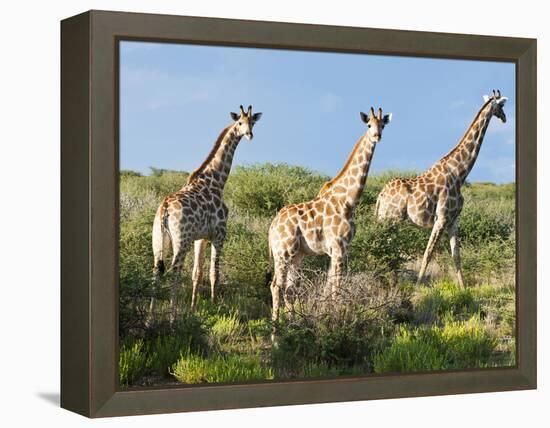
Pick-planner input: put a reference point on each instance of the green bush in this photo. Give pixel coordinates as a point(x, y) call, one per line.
point(495, 258)
point(383, 247)
point(135, 273)
point(262, 190)
point(478, 227)
point(245, 258)
point(456, 345)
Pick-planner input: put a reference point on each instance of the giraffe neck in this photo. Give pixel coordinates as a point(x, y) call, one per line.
point(348, 185)
point(462, 158)
point(217, 165)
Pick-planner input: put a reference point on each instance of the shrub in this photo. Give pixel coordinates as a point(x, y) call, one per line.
point(135, 273)
point(264, 189)
point(245, 258)
point(493, 260)
point(342, 334)
point(478, 226)
point(384, 247)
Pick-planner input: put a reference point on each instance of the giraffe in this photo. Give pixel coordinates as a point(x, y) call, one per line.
point(325, 224)
point(196, 213)
point(434, 199)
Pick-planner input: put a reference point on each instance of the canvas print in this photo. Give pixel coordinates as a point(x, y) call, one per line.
point(293, 214)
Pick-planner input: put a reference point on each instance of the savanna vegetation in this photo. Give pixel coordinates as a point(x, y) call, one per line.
point(381, 321)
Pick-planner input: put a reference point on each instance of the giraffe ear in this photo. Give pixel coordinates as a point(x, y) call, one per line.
point(502, 100)
point(234, 116)
point(256, 117)
point(387, 119)
point(364, 117)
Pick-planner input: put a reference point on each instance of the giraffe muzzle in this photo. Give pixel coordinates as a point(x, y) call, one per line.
point(249, 136)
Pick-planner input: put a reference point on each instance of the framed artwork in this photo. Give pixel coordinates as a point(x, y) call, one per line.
point(261, 213)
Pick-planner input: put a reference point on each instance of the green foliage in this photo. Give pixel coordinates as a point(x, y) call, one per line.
point(259, 329)
point(479, 226)
point(262, 190)
point(456, 345)
point(230, 340)
point(191, 368)
point(384, 246)
point(135, 279)
point(493, 258)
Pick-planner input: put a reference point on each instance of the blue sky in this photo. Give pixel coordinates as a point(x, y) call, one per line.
point(175, 100)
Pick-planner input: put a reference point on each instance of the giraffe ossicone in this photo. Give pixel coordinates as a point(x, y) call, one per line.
point(196, 214)
point(434, 199)
point(325, 224)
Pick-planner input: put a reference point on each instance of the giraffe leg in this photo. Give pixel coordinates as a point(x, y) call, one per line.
point(291, 283)
point(455, 252)
point(277, 285)
point(437, 229)
point(181, 248)
point(336, 270)
point(215, 252)
point(200, 246)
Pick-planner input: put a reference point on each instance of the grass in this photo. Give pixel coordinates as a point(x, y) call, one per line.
point(132, 362)
point(191, 368)
point(382, 322)
point(455, 345)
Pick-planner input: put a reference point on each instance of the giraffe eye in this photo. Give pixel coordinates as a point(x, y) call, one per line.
point(368, 126)
point(240, 123)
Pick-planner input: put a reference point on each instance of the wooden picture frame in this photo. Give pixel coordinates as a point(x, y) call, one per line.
point(89, 207)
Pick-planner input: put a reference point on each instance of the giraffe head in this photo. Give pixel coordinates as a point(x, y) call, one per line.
point(375, 123)
point(244, 122)
point(497, 104)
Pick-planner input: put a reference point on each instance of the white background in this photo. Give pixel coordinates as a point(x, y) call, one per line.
point(29, 214)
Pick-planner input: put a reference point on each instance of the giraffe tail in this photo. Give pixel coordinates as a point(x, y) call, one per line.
point(161, 236)
point(377, 207)
point(269, 272)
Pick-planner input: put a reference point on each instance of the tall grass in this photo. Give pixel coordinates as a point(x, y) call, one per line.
point(456, 345)
point(191, 368)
